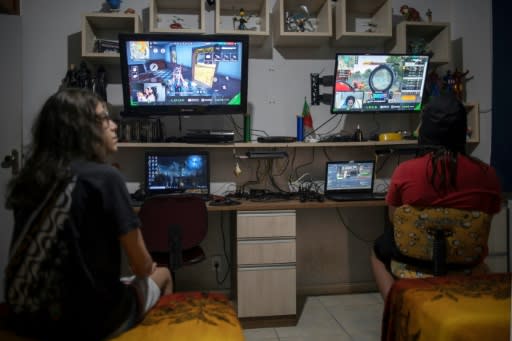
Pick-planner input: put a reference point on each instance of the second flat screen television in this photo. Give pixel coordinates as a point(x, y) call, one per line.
point(183, 74)
point(369, 83)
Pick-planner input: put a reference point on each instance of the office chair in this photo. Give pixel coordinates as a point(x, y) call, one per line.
point(439, 241)
point(173, 227)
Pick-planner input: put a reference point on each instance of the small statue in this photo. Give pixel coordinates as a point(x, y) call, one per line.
point(459, 79)
point(111, 6)
point(242, 20)
point(83, 76)
point(429, 15)
point(176, 22)
point(299, 21)
point(410, 13)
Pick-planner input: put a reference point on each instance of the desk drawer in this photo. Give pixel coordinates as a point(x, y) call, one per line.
point(266, 291)
point(264, 224)
point(266, 251)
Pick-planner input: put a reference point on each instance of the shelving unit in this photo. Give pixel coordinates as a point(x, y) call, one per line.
point(189, 14)
point(349, 13)
point(257, 13)
point(435, 35)
point(105, 26)
point(320, 10)
point(365, 144)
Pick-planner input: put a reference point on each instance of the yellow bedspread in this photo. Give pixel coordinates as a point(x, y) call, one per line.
point(465, 308)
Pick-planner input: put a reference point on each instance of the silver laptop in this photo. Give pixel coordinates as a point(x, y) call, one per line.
point(350, 180)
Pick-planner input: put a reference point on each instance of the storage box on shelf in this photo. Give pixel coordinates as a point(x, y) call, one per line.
point(289, 13)
point(435, 37)
point(363, 23)
point(254, 21)
point(100, 34)
point(177, 16)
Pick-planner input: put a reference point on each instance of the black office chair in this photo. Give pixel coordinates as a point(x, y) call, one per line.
point(173, 226)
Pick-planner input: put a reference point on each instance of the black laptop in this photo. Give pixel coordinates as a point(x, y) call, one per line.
point(350, 180)
point(177, 172)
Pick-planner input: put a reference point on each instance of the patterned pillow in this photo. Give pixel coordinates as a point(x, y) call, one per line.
point(466, 244)
point(188, 316)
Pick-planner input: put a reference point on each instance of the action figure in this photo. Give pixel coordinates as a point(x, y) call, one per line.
point(459, 79)
point(409, 13)
point(242, 20)
point(111, 6)
point(429, 15)
point(448, 81)
point(99, 85)
point(70, 80)
point(300, 21)
point(84, 76)
point(176, 22)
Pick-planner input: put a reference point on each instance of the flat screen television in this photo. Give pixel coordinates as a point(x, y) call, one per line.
point(183, 74)
point(370, 83)
point(175, 172)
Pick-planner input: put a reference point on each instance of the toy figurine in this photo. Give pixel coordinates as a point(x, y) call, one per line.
point(299, 21)
point(176, 22)
point(410, 13)
point(429, 15)
point(111, 6)
point(459, 79)
point(242, 20)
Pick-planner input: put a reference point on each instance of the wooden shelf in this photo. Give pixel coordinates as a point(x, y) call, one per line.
point(258, 15)
point(190, 14)
point(105, 26)
point(265, 145)
point(348, 12)
point(436, 36)
point(320, 10)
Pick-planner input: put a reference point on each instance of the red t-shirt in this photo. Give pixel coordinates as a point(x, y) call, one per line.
point(477, 186)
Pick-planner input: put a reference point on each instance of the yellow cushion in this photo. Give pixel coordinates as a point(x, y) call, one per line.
point(188, 316)
point(466, 246)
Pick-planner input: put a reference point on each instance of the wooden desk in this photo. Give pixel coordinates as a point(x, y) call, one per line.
point(264, 257)
point(248, 205)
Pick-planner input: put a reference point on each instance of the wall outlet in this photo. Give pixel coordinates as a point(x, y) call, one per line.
point(217, 263)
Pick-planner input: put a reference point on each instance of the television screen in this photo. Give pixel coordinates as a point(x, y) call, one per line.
point(378, 83)
point(177, 172)
point(183, 74)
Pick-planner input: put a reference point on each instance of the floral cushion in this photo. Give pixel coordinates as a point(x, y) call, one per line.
point(188, 316)
point(467, 244)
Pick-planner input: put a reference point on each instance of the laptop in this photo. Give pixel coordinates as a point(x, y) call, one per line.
point(350, 180)
point(177, 172)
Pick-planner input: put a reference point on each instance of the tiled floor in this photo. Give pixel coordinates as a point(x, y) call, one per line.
point(354, 317)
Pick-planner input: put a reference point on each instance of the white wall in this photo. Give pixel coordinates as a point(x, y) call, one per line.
point(278, 82)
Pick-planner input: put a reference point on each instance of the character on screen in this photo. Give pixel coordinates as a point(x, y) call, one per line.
point(177, 82)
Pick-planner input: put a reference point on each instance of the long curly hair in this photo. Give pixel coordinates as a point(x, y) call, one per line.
point(67, 128)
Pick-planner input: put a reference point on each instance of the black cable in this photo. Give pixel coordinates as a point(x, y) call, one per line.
point(228, 262)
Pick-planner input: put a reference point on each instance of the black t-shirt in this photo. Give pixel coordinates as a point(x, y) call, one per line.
point(101, 212)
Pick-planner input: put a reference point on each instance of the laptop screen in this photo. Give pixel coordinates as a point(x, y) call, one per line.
point(349, 176)
point(177, 172)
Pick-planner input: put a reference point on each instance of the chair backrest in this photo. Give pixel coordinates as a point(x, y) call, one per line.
point(465, 235)
point(159, 212)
